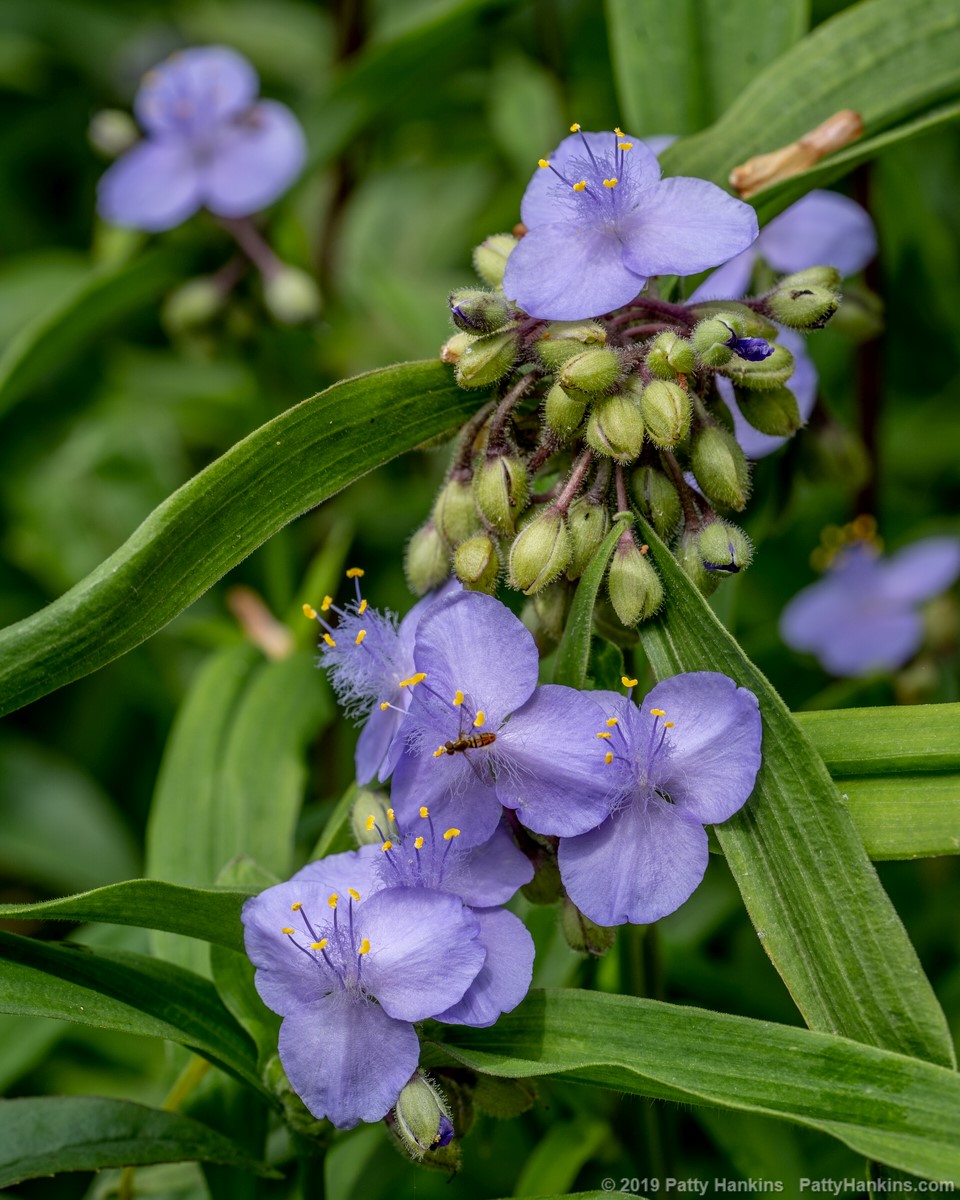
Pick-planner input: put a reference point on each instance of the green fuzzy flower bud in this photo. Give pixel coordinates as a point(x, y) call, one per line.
point(822, 277)
point(540, 552)
point(561, 340)
point(421, 1119)
point(615, 427)
point(490, 257)
point(666, 412)
point(774, 412)
point(751, 323)
point(710, 338)
point(295, 1112)
point(688, 556)
point(720, 467)
point(453, 347)
point(770, 373)
point(588, 522)
point(476, 563)
point(292, 296)
point(593, 371)
point(501, 486)
point(670, 355)
point(801, 306)
point(487, 359)
point(724, 548)
point(427, 559)
point(370, 809)
point(112, 132)
point(478, 312)
point(583, 935)
point(563, 411)
point(455, 513)
point(657, 498)
point(192, 305)
point(633, 584)
point(549, 610)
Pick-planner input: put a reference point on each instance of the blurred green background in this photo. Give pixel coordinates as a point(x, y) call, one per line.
point(424, 119)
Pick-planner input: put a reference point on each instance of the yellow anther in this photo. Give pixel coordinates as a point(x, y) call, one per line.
point(480, 718)
point(611, 721)
point(608, 757)
point(321, 945)
point(575, 127)
point(329, 640)
point(450, 834)
point(424, 811)
point(611, 183)
point(288, 929)
point(439, 752)
point(418, 843)
point(362, 609)
point(387, 845)
point(332, 900)
point(413, 680)
point(360, 636)
point(384, 705)
point(618, 131)
point(327, 602)
point(543, 163)
point(581, 186)
point(296, 906)
point(627, 682)
point(657, 712)
point(370, 822)
point(354, 894)
point(668, 724)
point(364, 947)
point(355, 573)
point(604, 734)
point(457, 698)
point(310, 612)
point(624, 145)
point(391, 815)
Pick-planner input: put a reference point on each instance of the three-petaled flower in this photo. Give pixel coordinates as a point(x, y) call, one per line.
point(600, 221)
point(210, 143)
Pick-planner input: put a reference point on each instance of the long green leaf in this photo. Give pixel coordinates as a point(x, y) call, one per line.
point(887, 60)
point(43, 1135)
point(807, 883)
point(80, 316)
point(905, 816)
point(216, 519)
point(127, 992)
point(714, 49)
point(213, 916)
point(885, 741)
point(573, 653)
point(895, 1109)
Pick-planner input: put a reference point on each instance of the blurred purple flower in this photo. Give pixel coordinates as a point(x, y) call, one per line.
point(479, 733)
point(349, 985)
point(688, 756)
point(483, 877)
point(209, 143)
point(862, 616)
point(600, 221)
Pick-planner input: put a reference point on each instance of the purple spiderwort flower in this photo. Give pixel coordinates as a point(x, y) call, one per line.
point(821, 229)
point(369, 657)
point(688, 756)
point(414, 952)
point(600, 221)
point(483, 877)
point(479, 733)
point(862, 616)
point(210, 143)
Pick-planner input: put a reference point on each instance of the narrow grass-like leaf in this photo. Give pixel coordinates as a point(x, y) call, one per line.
point(216, 519)
point(81, 316)
point(573, 653)
point(127, 992)
point(905, 816)
point(213, 916)
point(809, 888)
point(886, 741)
point(887, 60)
point(898, 1110)
point(44, 1135)
point(716, 49)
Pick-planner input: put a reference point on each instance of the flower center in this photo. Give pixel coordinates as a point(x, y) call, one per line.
point(414, 861)
point(335, 946)
point(598, 178)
